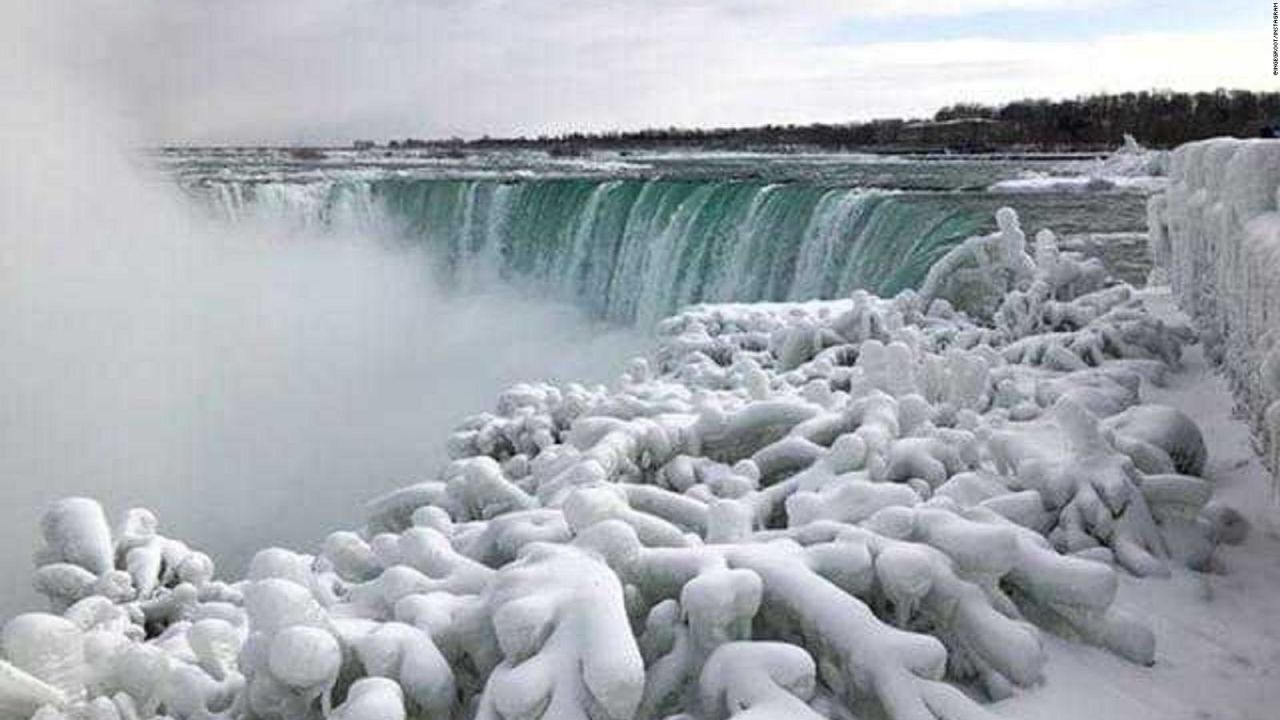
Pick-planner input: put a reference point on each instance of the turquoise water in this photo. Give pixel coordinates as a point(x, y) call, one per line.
point(633, 239)
point(633, 250)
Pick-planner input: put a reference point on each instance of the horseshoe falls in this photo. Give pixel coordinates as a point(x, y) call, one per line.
point(634, 250)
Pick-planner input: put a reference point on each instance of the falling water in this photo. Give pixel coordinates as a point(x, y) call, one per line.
point(634, 250)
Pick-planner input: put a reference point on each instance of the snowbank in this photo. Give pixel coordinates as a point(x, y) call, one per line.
point(1216, 233)
point(790, 511)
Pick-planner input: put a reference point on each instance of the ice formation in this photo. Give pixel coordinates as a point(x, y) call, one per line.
point(790, 511)
point(1215, 234)
point(1131, 168)
point(1131, 160)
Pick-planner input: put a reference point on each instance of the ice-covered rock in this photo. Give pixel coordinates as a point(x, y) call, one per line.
point(372, 698)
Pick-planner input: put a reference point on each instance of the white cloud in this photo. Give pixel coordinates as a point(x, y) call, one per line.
point(915, 77)
point(295, 70)
point(908, 8)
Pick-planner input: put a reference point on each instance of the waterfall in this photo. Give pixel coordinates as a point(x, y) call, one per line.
point(634, 250)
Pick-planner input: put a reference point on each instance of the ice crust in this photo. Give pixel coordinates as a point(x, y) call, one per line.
point(793, 510)
point(1215, 236)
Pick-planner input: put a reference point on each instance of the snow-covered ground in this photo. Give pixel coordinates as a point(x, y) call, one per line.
point(960, 503)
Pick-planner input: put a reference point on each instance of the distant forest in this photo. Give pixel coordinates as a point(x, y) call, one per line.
point(1098, 122)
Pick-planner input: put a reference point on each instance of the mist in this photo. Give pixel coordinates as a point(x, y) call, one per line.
point(252, 386)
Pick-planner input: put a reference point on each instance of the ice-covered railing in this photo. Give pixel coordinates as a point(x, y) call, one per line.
point(791, 511)
point(1215, 233)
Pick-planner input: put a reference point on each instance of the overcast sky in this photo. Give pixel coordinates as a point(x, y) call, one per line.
point(235, 71)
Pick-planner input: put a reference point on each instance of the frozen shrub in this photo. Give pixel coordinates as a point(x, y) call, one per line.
point(793, 509)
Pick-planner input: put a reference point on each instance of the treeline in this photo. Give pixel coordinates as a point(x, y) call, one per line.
point(1159, 119)
point(1096, 122)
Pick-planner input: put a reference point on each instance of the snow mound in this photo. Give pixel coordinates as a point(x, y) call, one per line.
point(790, 511)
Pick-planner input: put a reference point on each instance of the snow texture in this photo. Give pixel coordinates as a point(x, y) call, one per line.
point(796, 510)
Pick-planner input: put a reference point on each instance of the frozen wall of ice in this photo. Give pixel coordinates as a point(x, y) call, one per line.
point(1215, 233)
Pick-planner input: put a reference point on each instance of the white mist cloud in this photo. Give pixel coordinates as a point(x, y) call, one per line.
point(898, 8)
point(254, 388)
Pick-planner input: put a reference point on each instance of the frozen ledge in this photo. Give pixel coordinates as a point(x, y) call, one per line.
point(1215, 233)
point(791, 511)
